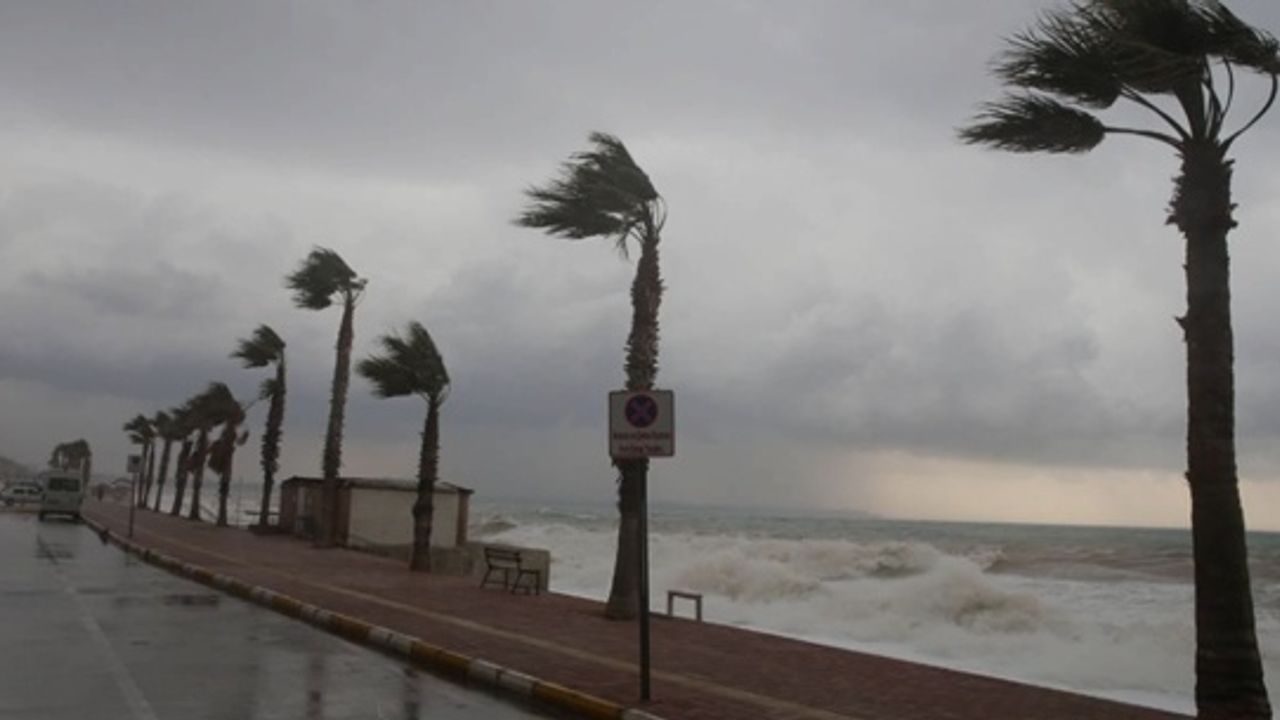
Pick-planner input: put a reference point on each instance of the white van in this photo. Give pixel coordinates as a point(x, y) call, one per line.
point(63, 494)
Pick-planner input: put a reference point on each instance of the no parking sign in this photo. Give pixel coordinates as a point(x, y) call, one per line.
point(642, 423)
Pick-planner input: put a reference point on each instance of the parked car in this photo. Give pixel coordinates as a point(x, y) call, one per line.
point(63, 495)
point(21, 493)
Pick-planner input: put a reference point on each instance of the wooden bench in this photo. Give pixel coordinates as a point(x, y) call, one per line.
point(509, 562)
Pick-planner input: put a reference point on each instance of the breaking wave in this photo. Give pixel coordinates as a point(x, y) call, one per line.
point(1089, 628)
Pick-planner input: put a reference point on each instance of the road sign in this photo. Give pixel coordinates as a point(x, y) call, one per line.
point(135, 463)
point(642, 424)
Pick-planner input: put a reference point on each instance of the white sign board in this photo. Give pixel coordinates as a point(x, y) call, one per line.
point(642, 424)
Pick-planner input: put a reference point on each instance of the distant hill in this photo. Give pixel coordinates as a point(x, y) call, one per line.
point(10, 470)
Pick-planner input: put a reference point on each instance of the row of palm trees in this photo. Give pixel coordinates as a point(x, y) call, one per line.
point(410, 365)
point(191, 426)
point(602, 192)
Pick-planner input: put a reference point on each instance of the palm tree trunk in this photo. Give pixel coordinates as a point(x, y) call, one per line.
point(180, 476)
point(149, 457)
point(224, 475)
point(201, 454)
point(428, 471)
point(642, 369)
point(271, 443)
point(1229, 680)
point(164, 471)
point(624, 600)
point(328, 525)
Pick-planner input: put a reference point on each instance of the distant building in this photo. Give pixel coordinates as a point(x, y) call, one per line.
point(376, 513)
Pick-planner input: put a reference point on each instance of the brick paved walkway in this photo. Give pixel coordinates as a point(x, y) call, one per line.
point(700, 670)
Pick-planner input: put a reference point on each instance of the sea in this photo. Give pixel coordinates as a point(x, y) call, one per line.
point(1103, 611)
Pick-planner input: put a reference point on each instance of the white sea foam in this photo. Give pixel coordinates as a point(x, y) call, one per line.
point(1130, 640)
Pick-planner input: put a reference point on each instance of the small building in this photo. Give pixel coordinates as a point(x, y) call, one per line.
point(376, 513)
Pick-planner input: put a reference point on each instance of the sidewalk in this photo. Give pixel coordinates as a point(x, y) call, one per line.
point(699, 670)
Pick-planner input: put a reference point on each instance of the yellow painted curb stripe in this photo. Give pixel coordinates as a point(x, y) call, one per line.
point(575, 701)
point(349, 627)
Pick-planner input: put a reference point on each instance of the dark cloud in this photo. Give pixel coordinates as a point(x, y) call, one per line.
point(842, 275)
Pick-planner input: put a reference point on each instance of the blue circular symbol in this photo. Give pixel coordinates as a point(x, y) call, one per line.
point(641, 411)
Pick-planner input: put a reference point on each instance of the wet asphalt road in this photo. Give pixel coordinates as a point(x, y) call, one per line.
point(88, 632)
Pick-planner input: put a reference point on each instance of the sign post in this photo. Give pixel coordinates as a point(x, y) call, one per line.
point(641, 426)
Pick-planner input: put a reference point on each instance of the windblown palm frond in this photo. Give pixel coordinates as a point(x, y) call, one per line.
point(322, 275)
point(1094, 52)
point(140, 430)
point(1032, 123)
point(412, 365)
point(601, 192)
point(264, 348)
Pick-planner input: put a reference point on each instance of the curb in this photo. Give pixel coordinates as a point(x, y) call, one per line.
point(439, 660)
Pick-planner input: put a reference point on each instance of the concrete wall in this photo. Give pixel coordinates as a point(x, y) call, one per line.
point(383, 516)
point(444, 520)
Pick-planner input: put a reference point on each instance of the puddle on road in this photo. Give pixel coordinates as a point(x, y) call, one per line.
point(171, 600)
point(48, 551)
point(27, 592)
point(191, 599)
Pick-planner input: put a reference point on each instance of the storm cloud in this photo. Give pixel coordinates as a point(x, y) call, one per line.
point(848, 287)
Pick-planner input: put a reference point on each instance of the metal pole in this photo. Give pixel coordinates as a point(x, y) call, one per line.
point(644, 585)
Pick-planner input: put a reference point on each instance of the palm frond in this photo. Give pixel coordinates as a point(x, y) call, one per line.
point(139, 429)
point(321, 275)
point(411, 365)
point(268, 388)
point(260, 350)
point(1032, 123)
point(1235, 41)
point(162, 423)
point(1063, 55)
point(601, 192)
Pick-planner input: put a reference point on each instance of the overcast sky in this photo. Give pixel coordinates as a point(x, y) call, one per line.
point(861, 312)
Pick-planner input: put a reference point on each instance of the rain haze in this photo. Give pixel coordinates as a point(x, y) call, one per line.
point(861, 312)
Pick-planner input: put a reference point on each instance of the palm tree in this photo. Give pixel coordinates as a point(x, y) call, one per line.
point(322, 278)
point(603, 193)
point(229, 413)
point(72, 455)
point(412, 366)
point(161, 416)
point(169, 428)
point(1185, 55)
point(142, 434)
point(186, 429)
point(261, 350)
point(202, 412)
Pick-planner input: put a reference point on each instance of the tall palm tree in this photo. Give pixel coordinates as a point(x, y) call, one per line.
point(186, 428)
point(230, 414)
point(150, 476)
point(320, 280)
point(202, 411)
point(142, 434)
point(602, 193)
point(170, 430)
point(156, 437)
point(413, 366)
point(1186, 55)
point(263, 349)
